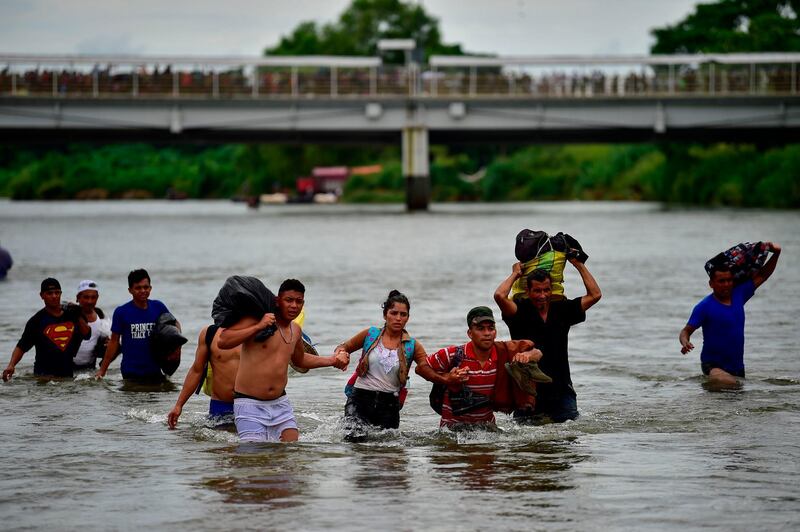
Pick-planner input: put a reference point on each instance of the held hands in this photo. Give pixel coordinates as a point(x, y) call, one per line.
point(99, 374)
point(534, 355)
point(341, 359)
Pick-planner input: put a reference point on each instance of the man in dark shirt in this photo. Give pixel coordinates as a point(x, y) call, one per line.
point(56, 333)
point(547, 322)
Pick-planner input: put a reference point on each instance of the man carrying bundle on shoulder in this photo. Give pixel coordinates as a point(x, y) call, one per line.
point(721, 313)
point(268, 343)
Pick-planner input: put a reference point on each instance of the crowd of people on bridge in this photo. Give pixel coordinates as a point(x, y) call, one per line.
point(272, 81)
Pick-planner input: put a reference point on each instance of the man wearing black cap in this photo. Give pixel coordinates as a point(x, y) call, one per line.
point(479, 364)
point(55, 331)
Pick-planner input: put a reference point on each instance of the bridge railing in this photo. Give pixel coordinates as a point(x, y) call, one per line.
point(359, 77)
point(613, 76)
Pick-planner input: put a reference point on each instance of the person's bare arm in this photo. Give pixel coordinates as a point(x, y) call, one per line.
point(243, 330)
point(764, 273)
point(16, 356)
point(533, 355)
point(112, 349)
point(452, 379)
point(684, 336)
point(593, 293)
point(507, 306)
point(353, 344)
point(424, 370)
point(305, 360)
point(192, 379)
point(344, 349)
point(455, 376)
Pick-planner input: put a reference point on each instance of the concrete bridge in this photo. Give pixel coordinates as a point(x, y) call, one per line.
point(742, 97)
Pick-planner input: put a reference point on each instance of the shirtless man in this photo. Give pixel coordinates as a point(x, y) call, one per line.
point(262, 410)
point(224, 364)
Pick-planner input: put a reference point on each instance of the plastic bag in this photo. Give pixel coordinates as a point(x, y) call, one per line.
point(242, 296)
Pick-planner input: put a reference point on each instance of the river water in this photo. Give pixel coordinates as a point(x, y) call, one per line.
point(652, 449)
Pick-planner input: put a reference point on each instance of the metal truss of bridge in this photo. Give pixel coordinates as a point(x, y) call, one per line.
point(453, 99)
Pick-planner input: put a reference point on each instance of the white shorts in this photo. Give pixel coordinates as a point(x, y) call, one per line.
point(263, 421)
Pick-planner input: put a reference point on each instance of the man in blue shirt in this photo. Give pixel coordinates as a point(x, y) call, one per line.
point(721, 315)
point(132, 325)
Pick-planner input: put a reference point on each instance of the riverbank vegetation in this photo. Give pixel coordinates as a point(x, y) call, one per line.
point(713, 174)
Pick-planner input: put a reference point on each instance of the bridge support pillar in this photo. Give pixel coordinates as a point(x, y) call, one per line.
point(416, 168)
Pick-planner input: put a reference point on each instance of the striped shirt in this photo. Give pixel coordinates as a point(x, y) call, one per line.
point(481, 380)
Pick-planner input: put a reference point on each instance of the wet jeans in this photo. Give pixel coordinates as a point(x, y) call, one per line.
point(553, 409)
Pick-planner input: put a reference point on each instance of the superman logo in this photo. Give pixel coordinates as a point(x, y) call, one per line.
point(60, 333)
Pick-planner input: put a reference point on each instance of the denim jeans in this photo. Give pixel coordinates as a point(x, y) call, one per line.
point(555, 409)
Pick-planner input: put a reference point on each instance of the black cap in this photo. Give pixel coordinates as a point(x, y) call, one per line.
point(478, 315)
point(50, 284)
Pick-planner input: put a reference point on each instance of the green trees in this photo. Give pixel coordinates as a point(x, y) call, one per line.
point(122, 170)
point(715, 174)
point(733, 26)
point(361, 26)
point(726, 174)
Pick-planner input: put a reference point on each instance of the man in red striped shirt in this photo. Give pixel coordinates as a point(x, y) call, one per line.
point(480, 363)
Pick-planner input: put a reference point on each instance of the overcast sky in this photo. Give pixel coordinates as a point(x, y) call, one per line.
point(246, 27)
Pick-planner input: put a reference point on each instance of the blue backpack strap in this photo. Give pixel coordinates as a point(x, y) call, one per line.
point(409, 347)
point(369, 340)
point(372, 336)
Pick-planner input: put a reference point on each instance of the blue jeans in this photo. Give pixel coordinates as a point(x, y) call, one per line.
point(553, 409)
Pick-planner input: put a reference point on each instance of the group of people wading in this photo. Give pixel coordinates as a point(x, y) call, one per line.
point(247, 371)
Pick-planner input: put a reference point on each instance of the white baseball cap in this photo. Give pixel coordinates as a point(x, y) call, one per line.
point(87, 285)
